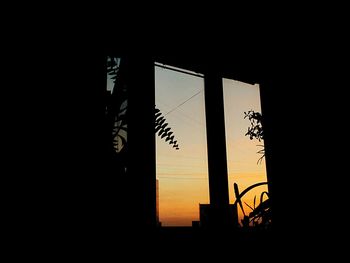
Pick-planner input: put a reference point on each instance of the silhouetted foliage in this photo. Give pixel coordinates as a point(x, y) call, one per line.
point(117, 109)
point(119, 130)
point(163, 131)
point(260, 216)
point(256, 131)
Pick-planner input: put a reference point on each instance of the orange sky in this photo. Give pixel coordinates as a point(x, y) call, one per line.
point(183, 174)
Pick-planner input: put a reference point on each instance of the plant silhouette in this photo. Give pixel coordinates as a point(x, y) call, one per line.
point(117, 109)
point(260, 216)
point(163, 131)
point(256, 131)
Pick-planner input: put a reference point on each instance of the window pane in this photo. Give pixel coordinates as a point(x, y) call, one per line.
point(182, 174)
point(242, 157)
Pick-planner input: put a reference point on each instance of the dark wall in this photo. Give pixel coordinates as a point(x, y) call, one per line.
point(294, 105)
point(67, 188)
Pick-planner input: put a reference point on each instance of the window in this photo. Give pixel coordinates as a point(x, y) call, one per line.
point(182, 174)
point(244, 167)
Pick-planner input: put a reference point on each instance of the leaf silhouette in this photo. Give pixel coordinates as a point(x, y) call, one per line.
point(157, 129)
point(161, 122)
point(260, 208)
point(163, 129)
point(262, 196)
point(256, 131)
point(117, 104)
point(238, 199)
point(157, 115)
point(249, 206)
point(164, 125)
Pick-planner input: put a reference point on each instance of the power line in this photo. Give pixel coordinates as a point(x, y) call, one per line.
point(188, 118)
point(182, 103)
point(182, 114)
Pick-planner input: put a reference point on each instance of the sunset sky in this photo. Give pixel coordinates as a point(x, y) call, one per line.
point(183, 174)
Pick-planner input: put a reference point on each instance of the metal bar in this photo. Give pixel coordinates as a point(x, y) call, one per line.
point(178, 70)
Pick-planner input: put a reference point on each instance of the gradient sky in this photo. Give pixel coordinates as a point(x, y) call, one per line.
point(183, 174)
point(241, 151)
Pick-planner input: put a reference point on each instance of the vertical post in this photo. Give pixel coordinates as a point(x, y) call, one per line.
point(268, 106)
point(141, 141)
point(217, 161)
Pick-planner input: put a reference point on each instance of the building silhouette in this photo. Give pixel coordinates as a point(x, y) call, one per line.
point(157, 203)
